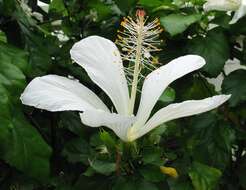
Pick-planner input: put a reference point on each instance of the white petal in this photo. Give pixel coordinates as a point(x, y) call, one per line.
point(221, 5)
point(56, 93)
point(118, 123)
point(157, 81)
point(101, 59)
point(178, 110)
point(239, 13)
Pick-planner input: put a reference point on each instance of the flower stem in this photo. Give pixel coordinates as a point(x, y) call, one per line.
point(136, 68)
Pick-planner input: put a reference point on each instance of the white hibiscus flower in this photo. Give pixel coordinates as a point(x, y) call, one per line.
point(103, 63)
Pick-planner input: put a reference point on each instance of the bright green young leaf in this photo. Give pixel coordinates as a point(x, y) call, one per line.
point(214, 48)
point(3, 37)
point(99, 10)
point(176, 23)
point(58, 7)
point(234, 84)
point(204, 177)
point(168, 95)
point(108, 139)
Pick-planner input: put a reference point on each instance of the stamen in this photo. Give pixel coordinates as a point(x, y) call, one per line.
point(127, 39)
point(138, 40)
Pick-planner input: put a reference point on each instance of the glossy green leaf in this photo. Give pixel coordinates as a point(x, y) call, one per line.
point(212, 140)
point(176, 23)
point(58, 7)
point(214, 48)
point(234, 84)
point(204, 177)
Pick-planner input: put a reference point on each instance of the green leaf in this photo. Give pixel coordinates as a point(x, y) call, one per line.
point(7, 7)
point(212, 140)
point(103, 167)
point(3, 37)
point(21, 145)
point(144, 185)
point(150, 3)
point(12, 62)
point(234, 84)
point(180, 184)
point(107, 139)
point(39, 44)
point(77, 150)
point(100, 10)
point(93, 183)
point(176, 23)
point(130, 184)
point(72, 122)
point(241, 173)
point(214, 48)
point(168, 95)
point(152, 155)
point(125, 5)
point(152, 173)
point(194, 87)
point(155, 135)
point(124, 184)
point(58, 7)
point(204, 177)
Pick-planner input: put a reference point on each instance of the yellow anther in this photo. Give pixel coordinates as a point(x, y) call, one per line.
point(172, 172)
point(123, 23)
point(120, 37)
point(155, 60)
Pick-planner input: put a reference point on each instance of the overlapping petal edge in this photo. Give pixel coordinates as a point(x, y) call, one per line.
point(101, 60)
point(239, 6)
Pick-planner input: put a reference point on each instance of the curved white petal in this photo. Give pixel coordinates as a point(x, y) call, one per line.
point(239, 13)
point(221, 5)
point(56, 93)
point(101, 59)
point(118, 123)
point(178, 110)
point(157, 81)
